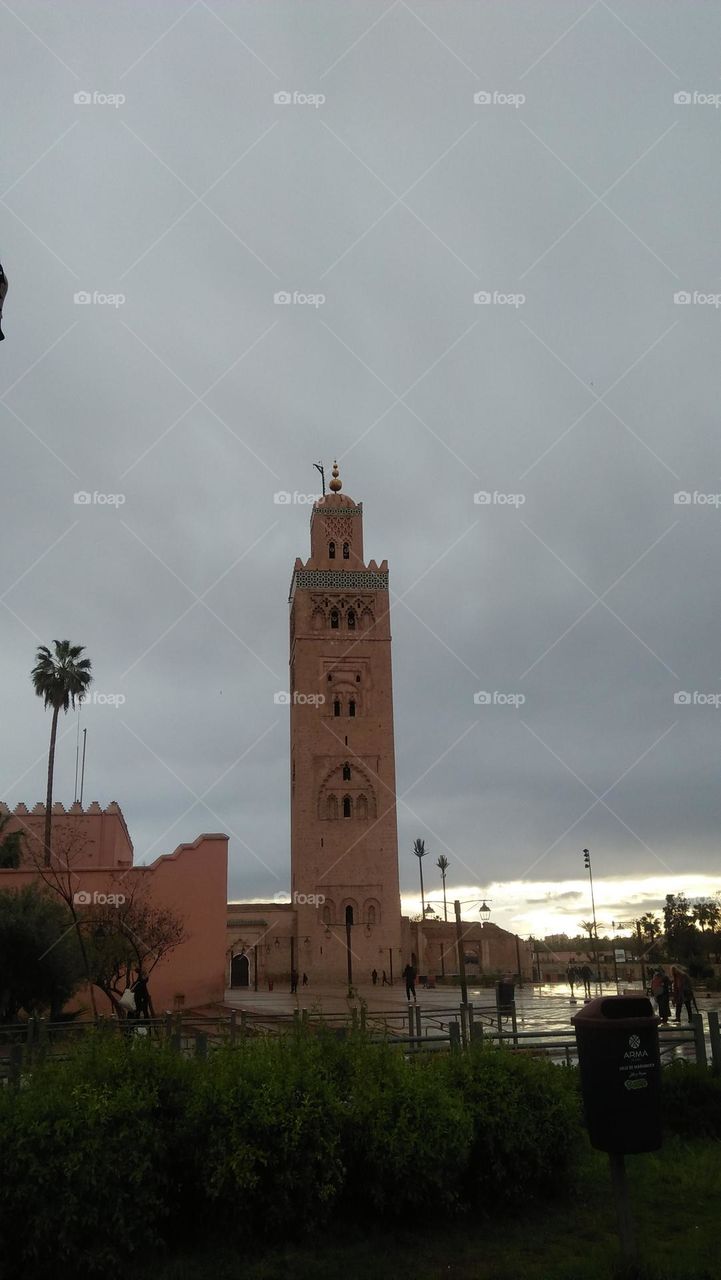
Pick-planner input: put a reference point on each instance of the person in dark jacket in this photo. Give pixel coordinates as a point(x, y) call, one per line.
point(409, 974)
point(661, 992)
point(142, 1002)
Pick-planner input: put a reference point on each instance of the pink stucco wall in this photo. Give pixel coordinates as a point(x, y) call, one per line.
point(191, 882)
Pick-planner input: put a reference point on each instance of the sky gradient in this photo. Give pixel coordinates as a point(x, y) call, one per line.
point(498, 228)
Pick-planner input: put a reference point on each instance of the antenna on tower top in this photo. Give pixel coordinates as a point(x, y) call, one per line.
point(319, 467)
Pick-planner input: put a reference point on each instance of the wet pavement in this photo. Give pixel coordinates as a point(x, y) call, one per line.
point(538, 1008)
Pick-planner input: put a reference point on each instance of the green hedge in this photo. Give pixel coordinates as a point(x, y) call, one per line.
point(691, 1099)
point(126, 1147)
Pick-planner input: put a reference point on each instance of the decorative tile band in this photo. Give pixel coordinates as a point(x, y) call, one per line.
point(338, 580)
point(338, 511)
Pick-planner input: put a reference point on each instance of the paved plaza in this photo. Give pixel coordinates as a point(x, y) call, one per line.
point(538, 1008)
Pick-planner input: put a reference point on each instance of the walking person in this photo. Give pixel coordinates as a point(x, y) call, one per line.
point(384, 980)
point(140, 991)
point(305, 980)
point(572, 977)
point(409, 974)
point(586, 973)
point(683, 995)
point(293, 982)
point(374, 977)
point(661, 992)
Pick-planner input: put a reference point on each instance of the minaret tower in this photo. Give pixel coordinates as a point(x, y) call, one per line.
point(344, 840)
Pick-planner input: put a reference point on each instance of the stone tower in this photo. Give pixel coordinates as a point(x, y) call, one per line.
point(344, 840)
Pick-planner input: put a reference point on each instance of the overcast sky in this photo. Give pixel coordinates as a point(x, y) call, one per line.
point(579, 196)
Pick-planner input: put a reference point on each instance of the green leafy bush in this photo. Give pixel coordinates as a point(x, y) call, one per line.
point(526, 1122)
point(691, 1101)
point(265, 1121)
point(92, 1166)
point(126, 1146)
point(406, 1138)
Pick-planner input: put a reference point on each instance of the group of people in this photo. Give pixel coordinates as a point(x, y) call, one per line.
point(577, 974)
point(294, 981)
point(374, 979)
point(678, 986)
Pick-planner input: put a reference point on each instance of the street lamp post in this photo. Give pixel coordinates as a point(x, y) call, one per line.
point(419, 849)
point(461, 957)
point(587, 864)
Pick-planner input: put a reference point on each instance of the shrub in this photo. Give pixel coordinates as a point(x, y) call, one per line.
point(526, 1122)
point(126, 1146)
point(691, 1100)
point(406, 1138)
point(265, 1119)
point(92, 1165)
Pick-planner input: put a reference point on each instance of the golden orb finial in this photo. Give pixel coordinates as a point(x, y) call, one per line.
point(335, 483)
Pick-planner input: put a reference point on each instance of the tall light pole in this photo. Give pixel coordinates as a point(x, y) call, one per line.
point(442, 864)
point(587, 865)
point(419, 849)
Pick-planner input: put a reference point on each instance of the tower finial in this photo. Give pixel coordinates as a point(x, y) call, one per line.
point(335, 483)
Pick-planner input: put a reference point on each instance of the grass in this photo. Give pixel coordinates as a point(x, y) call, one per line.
point(676, 1198)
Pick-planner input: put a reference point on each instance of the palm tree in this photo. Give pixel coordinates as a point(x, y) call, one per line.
point(419, 849)
point(442, 864)
point(59, 678)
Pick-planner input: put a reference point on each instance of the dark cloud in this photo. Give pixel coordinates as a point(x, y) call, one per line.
point(198, 398)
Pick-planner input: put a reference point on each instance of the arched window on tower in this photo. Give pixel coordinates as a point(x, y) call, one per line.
point(346, 772)
point(347, 807)
point(331, 551)
point(334, 620)
point(351, 620)
point(361, 808)
point(332, 807)
point(349, 915)
point(326, 914)
point(336, 707)
point(371, 914)
point(346, 551)
point(351, 707)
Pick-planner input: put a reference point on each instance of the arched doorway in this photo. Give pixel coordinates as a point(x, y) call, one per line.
point(240, 971)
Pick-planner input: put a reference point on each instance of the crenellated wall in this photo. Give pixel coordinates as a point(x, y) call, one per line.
point(94, 836)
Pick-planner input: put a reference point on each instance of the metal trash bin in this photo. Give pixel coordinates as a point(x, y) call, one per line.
point(505, 997)
point(618, 1057)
